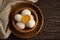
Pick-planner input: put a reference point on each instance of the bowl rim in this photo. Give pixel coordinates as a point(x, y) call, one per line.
point(41, 24)
point(25, 31)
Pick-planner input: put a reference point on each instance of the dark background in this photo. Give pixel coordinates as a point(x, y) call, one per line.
point(51, 28)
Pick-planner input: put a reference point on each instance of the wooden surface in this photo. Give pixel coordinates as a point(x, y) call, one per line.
point(51, 29)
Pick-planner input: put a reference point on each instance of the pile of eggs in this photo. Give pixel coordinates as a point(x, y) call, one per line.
point(25, 19)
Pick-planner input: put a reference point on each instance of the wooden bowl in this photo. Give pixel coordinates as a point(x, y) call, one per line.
point(26, 29)
point(40, 20)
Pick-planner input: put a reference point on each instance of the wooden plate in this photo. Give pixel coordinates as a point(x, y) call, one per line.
point(26, 29)
point(40, 20)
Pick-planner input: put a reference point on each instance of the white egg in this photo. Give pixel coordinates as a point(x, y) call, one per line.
point(20, 25)
point(31, 23)
point(18, 17)
point(31, 17)
point(26, 11)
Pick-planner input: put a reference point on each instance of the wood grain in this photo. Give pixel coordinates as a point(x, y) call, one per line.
point(51, 29)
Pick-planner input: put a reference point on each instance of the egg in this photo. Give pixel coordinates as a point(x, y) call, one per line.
point(26, 18)
point(31, 17)
point(31, 24)
point(18, 17)
point(21, 25)
point(26, 12)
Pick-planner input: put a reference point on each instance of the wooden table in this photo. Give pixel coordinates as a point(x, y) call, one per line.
point(51, 28)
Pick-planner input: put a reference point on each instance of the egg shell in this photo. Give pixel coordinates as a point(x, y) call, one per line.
point(18, 17)
point(26, 12)
point(20, 25)
point(31, 24)
point(31, 17)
